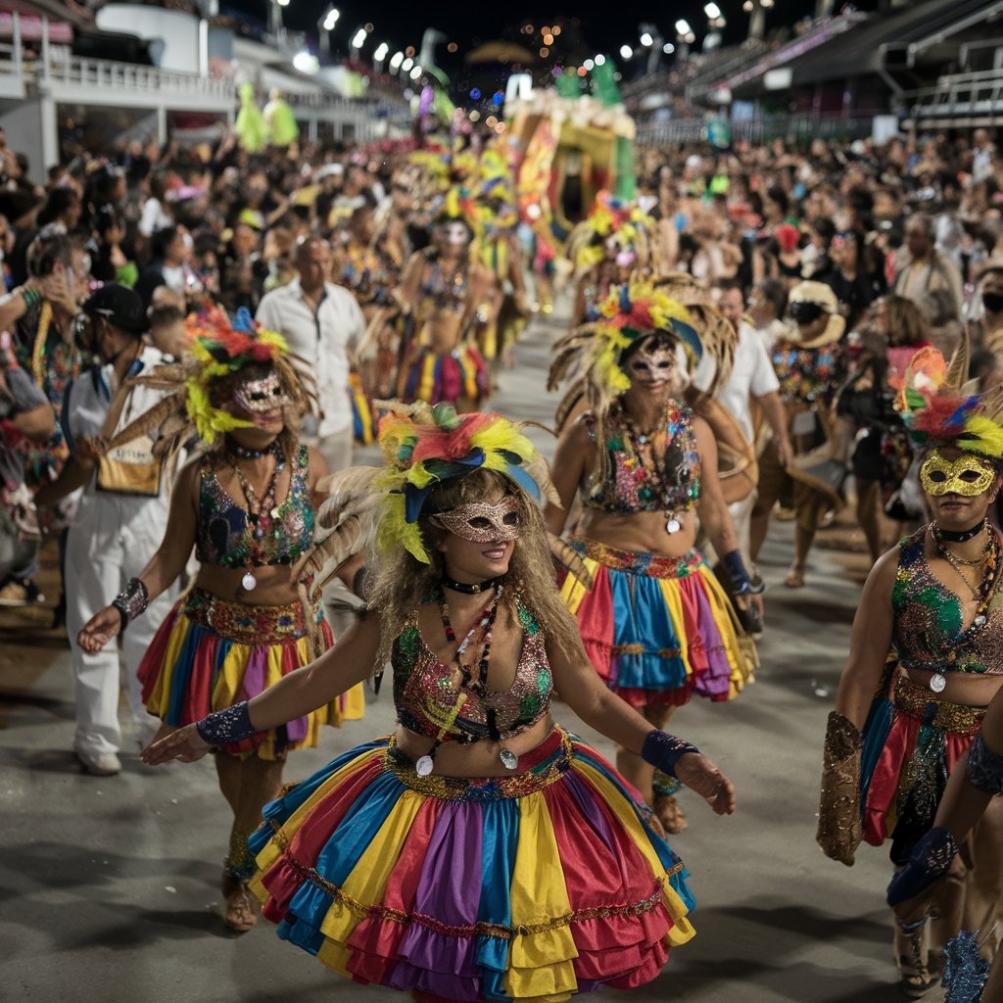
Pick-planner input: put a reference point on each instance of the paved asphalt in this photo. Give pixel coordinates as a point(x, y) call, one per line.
point(108, 887)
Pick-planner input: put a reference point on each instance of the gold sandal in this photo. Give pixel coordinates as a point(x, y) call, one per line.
point(668, 812)
point(915, 977)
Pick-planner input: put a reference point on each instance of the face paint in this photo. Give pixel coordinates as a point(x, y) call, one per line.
point(261, 396)
point(481, 522)
point(455, 233)
point(968, 476)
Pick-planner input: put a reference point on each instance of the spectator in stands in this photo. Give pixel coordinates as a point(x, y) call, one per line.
point(171, 252)
point(767, 305)
point(854, 279)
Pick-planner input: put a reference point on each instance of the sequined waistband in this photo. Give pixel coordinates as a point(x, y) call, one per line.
point(923, 705)
point(640, 562)
point(249, 624)
point(537, 769)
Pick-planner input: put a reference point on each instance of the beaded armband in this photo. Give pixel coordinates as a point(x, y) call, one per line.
point(985, 767)
point(929, 861)
point(227, 726)
point(663, 751)
point(132, 601)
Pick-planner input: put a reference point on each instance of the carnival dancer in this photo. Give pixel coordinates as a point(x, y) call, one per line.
point(449, 299)
point(120, 518)
point(246, 504)
point(606, 250)
point(811, 366)
point(655, 622)
point(936, 602)
point(480, 852)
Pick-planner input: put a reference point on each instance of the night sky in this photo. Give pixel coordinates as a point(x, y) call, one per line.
point(599, 28)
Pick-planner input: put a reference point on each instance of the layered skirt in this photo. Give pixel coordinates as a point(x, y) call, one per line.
point(536, 885)
point(209, 654)
point(458, 376)
point(659, 629)
point(912, 741)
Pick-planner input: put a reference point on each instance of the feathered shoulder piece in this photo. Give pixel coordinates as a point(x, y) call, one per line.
point(424, 446)
point(594, 350)
point(939, 406)
point(219, 348)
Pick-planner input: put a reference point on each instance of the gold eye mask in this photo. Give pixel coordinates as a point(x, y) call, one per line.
point(968, 476)
point(480, 522)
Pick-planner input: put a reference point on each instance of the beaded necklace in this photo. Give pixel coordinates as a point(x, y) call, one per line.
point(260, 515)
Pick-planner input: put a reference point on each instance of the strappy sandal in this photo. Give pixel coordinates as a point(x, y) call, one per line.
point(668, 812)
point(795, 578)
point(241, 909)
point(915, 977)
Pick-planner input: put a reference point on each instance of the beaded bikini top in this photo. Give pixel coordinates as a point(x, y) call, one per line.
point(426, 691)
point(228, 539)
point(928, 625)
point(667, 479)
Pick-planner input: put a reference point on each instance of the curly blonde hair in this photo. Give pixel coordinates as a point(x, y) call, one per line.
point(402, 582)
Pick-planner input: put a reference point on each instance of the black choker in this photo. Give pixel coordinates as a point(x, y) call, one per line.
point(949, 536)
point(467, 589)
point(249, 452)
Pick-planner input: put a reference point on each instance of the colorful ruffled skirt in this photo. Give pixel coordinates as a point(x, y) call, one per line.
point(210, 653)
point(659, 629)
point(911, 742)
point(460, 375)
point(536, 885)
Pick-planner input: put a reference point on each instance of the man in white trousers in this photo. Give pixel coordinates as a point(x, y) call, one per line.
point(119, 524)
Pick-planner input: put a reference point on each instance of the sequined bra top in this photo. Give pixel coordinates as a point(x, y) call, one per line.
point(228, 538)
point(426, 690)
point(674, 483)
point(928, 620)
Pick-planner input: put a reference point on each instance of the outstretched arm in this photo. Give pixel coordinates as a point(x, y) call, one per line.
point(600, 708)
point(350, 661)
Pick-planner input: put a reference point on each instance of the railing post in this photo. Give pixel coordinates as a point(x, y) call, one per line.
point(46, 55)
point(18, 52)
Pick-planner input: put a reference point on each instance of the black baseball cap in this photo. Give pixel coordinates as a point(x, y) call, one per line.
point(120, 306)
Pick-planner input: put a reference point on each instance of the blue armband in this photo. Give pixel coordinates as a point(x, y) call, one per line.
point(663, 751)
point(227, 726)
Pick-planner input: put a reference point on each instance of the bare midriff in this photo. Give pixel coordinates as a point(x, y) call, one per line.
point(962, 687)
point(640, 532)
point(273, 586)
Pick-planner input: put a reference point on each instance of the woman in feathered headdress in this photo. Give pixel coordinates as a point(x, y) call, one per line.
point(246, 504)
point(608, 249)
point(480, 852)
point(936, 602)
point(448, 299)
point(655, 622)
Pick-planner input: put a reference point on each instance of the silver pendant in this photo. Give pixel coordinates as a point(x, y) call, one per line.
point(938, 682)
point(424, 766)
point(980, 620)
point(508, 759)
point(275, 513)
point(248, 582)
point(673, 525)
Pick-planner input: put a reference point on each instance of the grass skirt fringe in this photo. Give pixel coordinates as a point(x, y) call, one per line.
point(209, 654)
point(659, 629)
point(532, 886)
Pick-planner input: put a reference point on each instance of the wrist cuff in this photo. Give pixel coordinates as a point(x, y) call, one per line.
point(227, 726)
point(663, 751)
point(132, 601)
point(985, 767)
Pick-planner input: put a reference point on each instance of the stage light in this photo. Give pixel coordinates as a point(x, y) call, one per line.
point(600, 59)
point(548, 39)
point(452, 47)
point(395, 61)
point(416, 73)
point(359, 39)
point(646, 39)
point(331, 19)
point(626, 52)
point(544, 52)
point(381, 52)
point(475, 94)
point(589, 65)
point(683, 26)
point(556, 30)
point(407, 64)
point(282, 3)
point(668, 48)
point(712, 10)
point(306, 62)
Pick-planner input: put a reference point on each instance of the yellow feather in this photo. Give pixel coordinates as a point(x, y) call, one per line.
point(983, 435)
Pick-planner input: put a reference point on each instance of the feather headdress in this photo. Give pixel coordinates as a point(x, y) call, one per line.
point(610, 218)
point(939, 406)
point(630, 313)
point(219, 348)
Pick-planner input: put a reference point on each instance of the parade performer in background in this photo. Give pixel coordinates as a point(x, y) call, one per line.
point(936, 601)
point(246, 503)
point(481, 851)
point(655, 622)
point(450, 299)
point(608, 249)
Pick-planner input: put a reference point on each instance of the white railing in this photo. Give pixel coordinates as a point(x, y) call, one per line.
point(78, 71)
point(959, 94)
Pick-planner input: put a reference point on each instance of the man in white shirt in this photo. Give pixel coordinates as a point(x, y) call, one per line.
point(323, 325)
point(752, 379)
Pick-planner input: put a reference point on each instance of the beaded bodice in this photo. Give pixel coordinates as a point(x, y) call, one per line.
point(228, 538)
point(426, 690)
point(927, 631)
point(660, 474)
point(440, 291)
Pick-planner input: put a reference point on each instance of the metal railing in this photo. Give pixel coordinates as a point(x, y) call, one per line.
point(977, 94)
point(677, 132)
point(79, 71)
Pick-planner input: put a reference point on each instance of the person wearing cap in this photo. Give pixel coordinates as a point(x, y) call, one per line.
point(810, 366)
point(120, 520)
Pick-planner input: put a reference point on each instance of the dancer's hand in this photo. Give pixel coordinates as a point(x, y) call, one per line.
point(185, 744)
point(698, 773)
point(100, 629)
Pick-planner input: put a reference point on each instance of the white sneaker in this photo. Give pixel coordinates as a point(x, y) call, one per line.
point(99, 764)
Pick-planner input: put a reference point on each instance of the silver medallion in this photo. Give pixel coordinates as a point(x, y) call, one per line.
point(248, 582)
point(424, 766)
point(938, 682)
point(275, 512)
point(673, 526)
point(980, 620)
point(508, 759)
